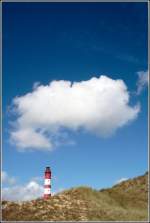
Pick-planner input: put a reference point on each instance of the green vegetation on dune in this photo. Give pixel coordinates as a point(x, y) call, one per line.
point(127, 201)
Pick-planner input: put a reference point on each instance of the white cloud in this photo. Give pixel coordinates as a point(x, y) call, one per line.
point(28, 137)
point(7, 179)
point(142, 81)
point(37, 179)
point(121, 180)
point(14, 192)
point(29, 191)
point(35, 85)
point(99, 105)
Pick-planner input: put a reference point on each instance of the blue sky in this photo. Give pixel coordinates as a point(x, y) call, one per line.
point(43, 42)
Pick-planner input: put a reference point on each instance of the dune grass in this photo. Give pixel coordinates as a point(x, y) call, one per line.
point(127, 201)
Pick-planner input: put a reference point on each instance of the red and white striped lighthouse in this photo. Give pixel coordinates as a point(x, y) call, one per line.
point(47, 183)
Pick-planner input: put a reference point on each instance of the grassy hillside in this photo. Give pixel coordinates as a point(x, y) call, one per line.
point(125, 201)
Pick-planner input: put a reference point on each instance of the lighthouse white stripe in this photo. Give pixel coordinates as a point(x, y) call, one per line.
point(47, 182)
point(47, 191)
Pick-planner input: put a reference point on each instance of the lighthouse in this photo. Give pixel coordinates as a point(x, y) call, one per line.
point(47, 183)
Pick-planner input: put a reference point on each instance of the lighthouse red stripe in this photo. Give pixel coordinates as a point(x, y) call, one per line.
point(47, 186)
